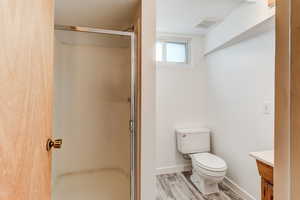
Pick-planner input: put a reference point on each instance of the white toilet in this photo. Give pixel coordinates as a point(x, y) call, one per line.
point(208, 169)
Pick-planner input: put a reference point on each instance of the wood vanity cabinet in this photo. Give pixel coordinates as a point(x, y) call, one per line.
point(266, 173)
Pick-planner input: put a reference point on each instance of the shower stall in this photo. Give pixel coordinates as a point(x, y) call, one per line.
point(94, 114)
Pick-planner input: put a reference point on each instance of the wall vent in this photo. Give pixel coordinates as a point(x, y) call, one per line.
point(207, 23)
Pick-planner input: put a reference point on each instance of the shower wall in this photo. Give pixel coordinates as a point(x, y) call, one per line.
point(92, 109)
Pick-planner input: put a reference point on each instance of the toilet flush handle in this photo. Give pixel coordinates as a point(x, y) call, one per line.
point(53, 144)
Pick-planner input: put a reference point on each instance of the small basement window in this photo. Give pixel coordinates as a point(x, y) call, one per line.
point(172, 51)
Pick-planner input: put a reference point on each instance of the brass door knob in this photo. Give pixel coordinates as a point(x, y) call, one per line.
point(54, 144)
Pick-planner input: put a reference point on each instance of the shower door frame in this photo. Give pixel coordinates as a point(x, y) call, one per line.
point(133, 92)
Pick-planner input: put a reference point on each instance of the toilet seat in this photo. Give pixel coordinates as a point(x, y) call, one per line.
point(209, 162)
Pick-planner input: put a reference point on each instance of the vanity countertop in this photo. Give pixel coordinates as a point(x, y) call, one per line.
point(266, 157)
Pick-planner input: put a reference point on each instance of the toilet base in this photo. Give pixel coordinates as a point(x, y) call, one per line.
point(205, 186)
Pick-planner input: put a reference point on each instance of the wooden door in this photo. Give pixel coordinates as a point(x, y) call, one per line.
point(26, 40)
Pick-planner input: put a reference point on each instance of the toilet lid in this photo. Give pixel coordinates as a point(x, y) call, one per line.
point(209, 161)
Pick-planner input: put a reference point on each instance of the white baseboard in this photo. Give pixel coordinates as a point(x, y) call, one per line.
point(237, 189)
point(173, 169)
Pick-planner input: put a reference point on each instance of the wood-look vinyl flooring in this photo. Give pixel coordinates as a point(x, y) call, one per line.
point(179, 187)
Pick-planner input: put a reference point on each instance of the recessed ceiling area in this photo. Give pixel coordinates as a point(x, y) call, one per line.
point(110, 14)
point(184, 16)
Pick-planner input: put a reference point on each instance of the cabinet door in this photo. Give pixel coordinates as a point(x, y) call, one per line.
point(270, 192)
point(267, 190)
point(26, 38)
point(264, 189)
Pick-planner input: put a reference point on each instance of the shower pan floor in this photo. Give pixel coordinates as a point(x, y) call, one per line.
point(102, 185)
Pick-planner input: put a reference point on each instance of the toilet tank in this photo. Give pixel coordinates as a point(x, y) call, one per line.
point(193, 140)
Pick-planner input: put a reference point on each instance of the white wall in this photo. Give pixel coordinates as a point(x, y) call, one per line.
point(181, 102)
point(240, 79)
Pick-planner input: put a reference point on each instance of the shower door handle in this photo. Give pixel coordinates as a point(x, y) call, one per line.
point(53, 144)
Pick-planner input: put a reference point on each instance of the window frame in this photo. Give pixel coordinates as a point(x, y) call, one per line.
point(174, 40)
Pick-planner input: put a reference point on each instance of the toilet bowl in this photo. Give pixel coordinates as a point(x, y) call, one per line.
point(208, 169)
